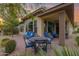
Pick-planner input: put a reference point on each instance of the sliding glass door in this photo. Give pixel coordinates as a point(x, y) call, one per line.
point(49, 26)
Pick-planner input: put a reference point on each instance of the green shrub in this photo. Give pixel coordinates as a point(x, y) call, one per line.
point(15, 31)
point(6, 32)
point(77, 40)
point(10, 46)
point(78, 30)
point(4, 41)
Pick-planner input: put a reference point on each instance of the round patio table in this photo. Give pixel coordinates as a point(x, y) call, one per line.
point(39, 42)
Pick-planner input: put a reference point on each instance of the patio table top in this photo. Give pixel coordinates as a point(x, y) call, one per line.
point(39, 38)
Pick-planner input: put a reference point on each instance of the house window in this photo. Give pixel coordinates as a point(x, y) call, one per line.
point(32, 27)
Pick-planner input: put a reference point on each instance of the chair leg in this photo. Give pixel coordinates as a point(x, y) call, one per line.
point(50, 46)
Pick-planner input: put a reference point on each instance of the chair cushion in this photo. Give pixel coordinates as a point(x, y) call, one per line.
point(49, 41)
point(28, 46)
point(28, 43)
point(46, 34)
point(54, 34)
point(29, 34)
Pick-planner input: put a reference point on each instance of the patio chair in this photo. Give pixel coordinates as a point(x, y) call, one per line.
point(46, 34)
point(54, 34)
point(27, 36)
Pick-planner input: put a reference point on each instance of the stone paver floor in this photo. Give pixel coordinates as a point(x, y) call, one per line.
point(21, 44)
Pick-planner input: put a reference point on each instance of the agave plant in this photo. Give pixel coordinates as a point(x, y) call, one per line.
point(39, 53)
point(77, 40)
point(66, 51)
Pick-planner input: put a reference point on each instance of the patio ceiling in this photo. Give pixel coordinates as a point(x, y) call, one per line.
point(51, 17)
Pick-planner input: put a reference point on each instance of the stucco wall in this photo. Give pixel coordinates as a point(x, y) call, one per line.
point(76, 13)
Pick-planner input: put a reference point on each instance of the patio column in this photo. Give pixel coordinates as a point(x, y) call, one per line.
point(40, 27)
point(62, 28)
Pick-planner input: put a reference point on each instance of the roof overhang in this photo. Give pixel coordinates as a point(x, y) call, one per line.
point(55, 9)
point(34, 13)
point(68, 7)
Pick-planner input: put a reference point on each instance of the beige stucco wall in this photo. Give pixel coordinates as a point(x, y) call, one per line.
point(70, 27)
point(76, 13)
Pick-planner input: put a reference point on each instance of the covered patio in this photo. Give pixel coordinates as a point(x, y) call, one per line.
point(59, 19)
